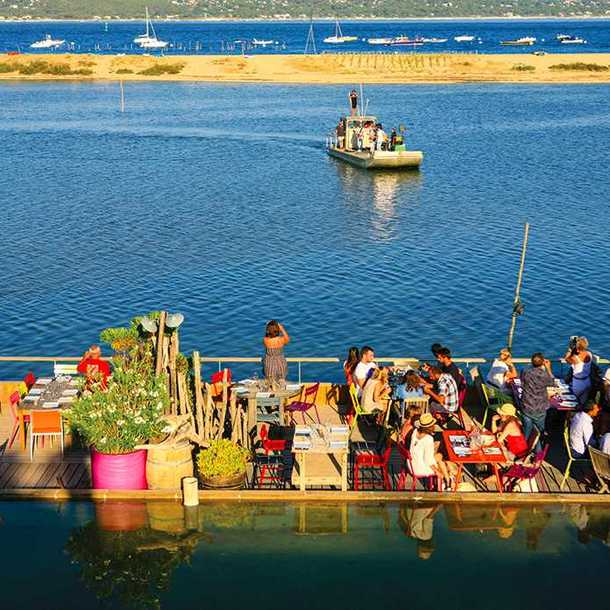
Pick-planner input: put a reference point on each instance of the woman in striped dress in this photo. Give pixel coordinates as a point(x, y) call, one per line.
point(275, 367)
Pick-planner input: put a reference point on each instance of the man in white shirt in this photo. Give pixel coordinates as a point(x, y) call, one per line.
point(581, 430)
point(364, 367)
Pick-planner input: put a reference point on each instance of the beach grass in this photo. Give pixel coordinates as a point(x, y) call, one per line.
point(579, 65)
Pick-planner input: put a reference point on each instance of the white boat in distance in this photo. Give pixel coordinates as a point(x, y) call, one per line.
point(380, 41)
point(261, 43)
point(572, 40)
point(47, 43)
point(339, 38)
point(149, 39)
point(434, 40)
point(406, 41)
point(525, 41)
point(463, 38)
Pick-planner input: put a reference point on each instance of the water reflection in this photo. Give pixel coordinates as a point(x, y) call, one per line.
point(130, 552)
point(378, 196)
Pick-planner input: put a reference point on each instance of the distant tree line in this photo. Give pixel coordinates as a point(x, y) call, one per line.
point(300, 8)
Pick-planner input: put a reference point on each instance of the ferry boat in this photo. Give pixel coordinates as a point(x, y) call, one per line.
point(520, 42)
point(463, 38)
point(339, 38)
point(47, 43)
point(400, 158)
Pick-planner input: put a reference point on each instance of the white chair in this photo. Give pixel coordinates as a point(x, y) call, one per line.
point(46, 423)
point(60, 368)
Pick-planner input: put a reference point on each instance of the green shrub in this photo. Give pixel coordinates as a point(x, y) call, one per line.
point(34, 67)
point(6, 67)
point(223, 458)
point(124, 71)
point(160, 69)
point(579, 65)
point(523, 68)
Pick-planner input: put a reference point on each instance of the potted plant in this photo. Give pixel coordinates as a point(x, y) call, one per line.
point(116, 419)
point(223, 465)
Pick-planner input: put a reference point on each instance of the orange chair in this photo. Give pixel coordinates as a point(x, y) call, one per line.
point(46, 423)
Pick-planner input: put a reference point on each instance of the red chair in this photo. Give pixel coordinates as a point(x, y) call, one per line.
point(13, 401)
point(519, 473)
point(302, 406)
point(368, 460)
point(406, 470)
point(273, 464)
point(29, 380)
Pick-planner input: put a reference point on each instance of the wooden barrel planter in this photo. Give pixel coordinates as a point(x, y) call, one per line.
point(234, 481)
point(167, 465)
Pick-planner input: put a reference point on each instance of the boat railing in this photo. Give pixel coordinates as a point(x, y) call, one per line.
point(222, 361)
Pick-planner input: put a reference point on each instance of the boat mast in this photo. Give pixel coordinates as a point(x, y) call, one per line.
point(517, 305)
point(147, 22)
point(311, 39)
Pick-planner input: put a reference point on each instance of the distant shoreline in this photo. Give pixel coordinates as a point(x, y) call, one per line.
point(300, 20)
point(348, 69)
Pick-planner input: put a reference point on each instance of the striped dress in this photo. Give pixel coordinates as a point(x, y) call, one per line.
point(275, 367)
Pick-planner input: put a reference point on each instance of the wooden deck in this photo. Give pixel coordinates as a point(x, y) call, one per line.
point(49, 471)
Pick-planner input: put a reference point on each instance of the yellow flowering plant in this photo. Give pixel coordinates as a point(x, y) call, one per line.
point(127, 413)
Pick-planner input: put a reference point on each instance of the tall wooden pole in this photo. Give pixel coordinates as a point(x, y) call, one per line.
point(517, 307)
point(122, 96)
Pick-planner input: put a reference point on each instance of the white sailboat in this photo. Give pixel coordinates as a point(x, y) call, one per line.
point(149, 39)
point(339, 38)
point(47, 43)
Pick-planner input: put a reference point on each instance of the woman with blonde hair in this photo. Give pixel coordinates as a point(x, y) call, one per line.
point(502, 371)
point(376, 393)
point(508, 431)
point(581, 360)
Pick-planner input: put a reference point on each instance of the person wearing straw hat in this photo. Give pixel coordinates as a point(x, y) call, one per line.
point(508, 431)
point(425, 462)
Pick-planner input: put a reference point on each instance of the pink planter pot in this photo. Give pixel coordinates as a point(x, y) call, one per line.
point(120, 471)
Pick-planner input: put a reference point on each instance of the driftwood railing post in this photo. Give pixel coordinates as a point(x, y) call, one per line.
point(160, 342)
point(198, 403)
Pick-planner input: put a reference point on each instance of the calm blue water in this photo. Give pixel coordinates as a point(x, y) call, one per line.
point(214, 37)
point(220, 202)
point(273, 556)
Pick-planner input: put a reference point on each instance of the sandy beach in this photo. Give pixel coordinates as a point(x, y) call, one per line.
point(316, 69)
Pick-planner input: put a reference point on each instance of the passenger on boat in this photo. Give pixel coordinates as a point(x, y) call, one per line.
point(581, 361)
point(93, 367)
point(275, 367)
point(353, 357)
point(443, 391)
point(534, 398)
point(502, 371)
point(581, 430)
point(376, 394)
point(425, 461)
point(364, 368)
point(604, 433)
point(382, 137)
point(393, 139)
point(340, 131)
point(506, 426)
point(353, 103)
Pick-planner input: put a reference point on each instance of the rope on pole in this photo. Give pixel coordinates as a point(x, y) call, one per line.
point(517, 305)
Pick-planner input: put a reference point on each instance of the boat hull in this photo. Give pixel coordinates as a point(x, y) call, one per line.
point(404, 159)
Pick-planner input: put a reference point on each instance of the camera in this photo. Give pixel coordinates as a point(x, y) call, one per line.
point(572, 342)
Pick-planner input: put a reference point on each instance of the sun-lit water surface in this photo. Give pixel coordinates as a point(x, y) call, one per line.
point(219, 201)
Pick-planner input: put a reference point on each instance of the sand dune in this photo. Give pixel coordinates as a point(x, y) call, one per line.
point(322, 69)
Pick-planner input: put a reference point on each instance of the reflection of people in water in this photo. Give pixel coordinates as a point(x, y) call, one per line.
point(418, 523)
point(592, 523)
point(536, 521)
point(508, 515)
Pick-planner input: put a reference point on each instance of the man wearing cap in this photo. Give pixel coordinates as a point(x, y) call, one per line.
point(581, 429)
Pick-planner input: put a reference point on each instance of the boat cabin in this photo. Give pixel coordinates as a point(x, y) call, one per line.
point(353, 128)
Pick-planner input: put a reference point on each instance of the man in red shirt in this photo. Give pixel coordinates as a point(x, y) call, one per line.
point(93, 367)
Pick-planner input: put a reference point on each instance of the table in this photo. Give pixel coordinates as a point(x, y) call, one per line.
point(45, 390)
point(453, 439)
point(327, 446)
point(560, 395)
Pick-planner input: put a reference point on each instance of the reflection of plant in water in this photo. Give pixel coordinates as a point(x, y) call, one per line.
point(133, 567)
point(227, 515)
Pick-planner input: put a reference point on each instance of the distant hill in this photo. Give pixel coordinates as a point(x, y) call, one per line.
point(300, 8)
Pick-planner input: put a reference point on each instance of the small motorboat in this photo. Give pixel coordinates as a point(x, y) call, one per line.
point(47, 43)
point(434, 40)
point(399, 158)
point(519, 42)
point(405, 41)
point(380, 41)
point(572, 40)
point(262, 43)
point(463, 38)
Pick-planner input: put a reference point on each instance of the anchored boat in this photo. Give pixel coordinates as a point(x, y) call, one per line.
point(47, 43)
point(526, 41)
point(397, 158)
